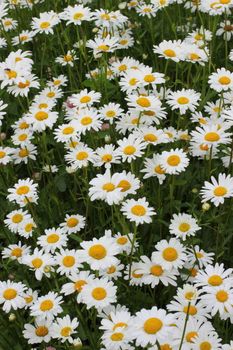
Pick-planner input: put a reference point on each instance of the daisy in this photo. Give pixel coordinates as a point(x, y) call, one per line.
point(143, 103)
point(105, 187)
point(138, 211)
point(124, 242)
point(113, 272)
point(102, 45)
point(2, 112)
point(183, 100)
point(152, 168)
point(76, 14)
point(30, 297)
point(222, 80)
point(80, 157)
point(110, 111)
point(106, 155)
point(217, 190)
point(151, 326)
point(213, 276)
point(41, 263)
point(88, 119)
point(130, 148)
point(169, 254)
point(24, 154)
point(199, 254)
point(78, 281)
point(210, 135)
point(99, 253)
point(153, 273)
point(52, 239)
point(64, 328)
point(45, 22)
point(99, 293)
point(39, 333)
point(116, 340)
point(73, 223)
point(174, 161)
point(225, 29)
point(66, 132)
point(24, 191)
point(170, 50)
point(85, 98)
point(24, 36)
point(22, 137)
point(127, 182)
point(218, 299)
point(5, 154)
point(40, 119)
point(68, 261)
point(15, 251)
point(183, 225)
point(67, 59)
point(26, 229)
point(16, 219)
point(47, 306)
point(11, 295)
point(211, 341)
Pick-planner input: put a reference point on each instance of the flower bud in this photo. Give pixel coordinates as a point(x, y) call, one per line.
point(205, 206)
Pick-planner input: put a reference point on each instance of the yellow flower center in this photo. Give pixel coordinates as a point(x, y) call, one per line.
point(53, 238)
point(173, 160)
point(23, 85)
point(123, 42)
point(133, 81)
point(11, 74)
point(136, 275)
point(169, 53)
point(22, 190)
point(110, 114)
point(29, 227)
point(220, 191)
point(81, 155)
point(170, 254)
point(138, 210)
point(72, 222)
point(23, 152)
point(97, 251)
point(183, 100)
point(152, 325)
point(10, 294)
point(193, 56)
point(65, 332)
point(189, 336)
point(159, 170)
point(212, 137)
point(46, 305)
point(111, 270)
point(192, 310)
point(184, 227)
point(150, 138)
point(222, 296)
point(17, 218)
point(28, 299)
point(143, 102)
point(2, 154)
point(117, 336)
point(224, 80)
point(122, 67)
point(106, 158)
point(44, 25)
point(37, 263)
point(50, 94)
point(68, 130)
point(122, 240)
point(149, 78)
point(124, 185)
point(17, 252)
point(99, 293)
point(78, 15)
point(85, 99)
point(68, 261)
point(119, 325)
point(205, 345)
point(129, 150)
point(156, 270)
point(165, 347)
point(86, 121)
point(189, 295)
point(108, 187)
point(79, 285)
point(204, 147)
point(42, 331)
point(41, 116)
point(22, 137)
point(103, 47)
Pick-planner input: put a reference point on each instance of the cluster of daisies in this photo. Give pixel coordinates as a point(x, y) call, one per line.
point(125, 132)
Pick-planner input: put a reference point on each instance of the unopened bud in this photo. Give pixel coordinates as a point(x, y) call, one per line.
point(12, 317)
point(205, 206)
point(194, 190)
point(78, 343)
point(107, 139)
point(3, 136)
